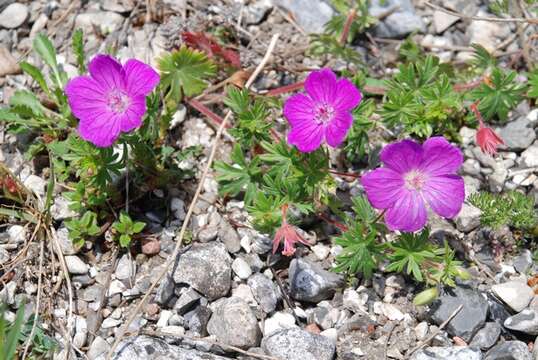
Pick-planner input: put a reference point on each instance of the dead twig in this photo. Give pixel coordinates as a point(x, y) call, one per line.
point(171, 259)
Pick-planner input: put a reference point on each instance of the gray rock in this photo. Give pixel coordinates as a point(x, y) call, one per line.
point(257, 11)
point(186, 301)
point(67, 246)
point(516, 294)
point(207, 268)
point(4, 255)
point(234, 323)
point(523, 262)
point(309, 282)
point(468, 219)
point(98, 347)
point(177, 206)
point(401, 22)
point(445, 353)
point(518, 134)
point(241, 268)
point(486, 337)
point(60, 209)
point(198, 319)
point(526, 321)
point(75, 265)
point(264, 291)
point(165, 291)
point(279, 321)
point(149, 348)
point(14, 15)
point(529, 157)
point(442, 21)
point(229, 237)
point(312, 20)
point(17, 234)
point(36, 184)
point(509, 350)
point(106, 21)
point(126, 268)
point(119, 6)
point(297, 344)
point(470, 318)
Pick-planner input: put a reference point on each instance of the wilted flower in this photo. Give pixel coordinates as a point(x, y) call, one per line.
point(323, 113)
point(486, 138)
point(289, 234)
point(415, 176)
point(112, 99)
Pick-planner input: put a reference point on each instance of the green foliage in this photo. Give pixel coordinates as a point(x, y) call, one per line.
point(78, 50)
point(482, 59)
point(420, 98)
point(512, 208)
point(251, 124)
point(83, 228)
point(126, 228)
point(410, 51)
point(499, 7)
point(10, 334)
point(533, 84)
point(356, 144)
point(42, 345)
point(184, 72)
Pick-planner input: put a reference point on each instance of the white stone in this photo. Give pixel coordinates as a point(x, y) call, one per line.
point(421, 330)
point(124, 269)
point(331, 334)
point(516, 294)
point(353, 301)
point(110, 323)
point(243, 291)
point(17, 234)
point(14, 16)
point(35, 184)
point(392, 312)
point(116, 287)
point(241, 268)
point(173, 330)
point(75, 265)
point(321, 251)
point(280, 320)
point(164, 317)
point(529, 157)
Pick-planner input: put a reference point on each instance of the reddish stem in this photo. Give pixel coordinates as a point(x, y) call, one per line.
point(474, 109)
point(347, 26)
point(285, 89)
point(353, 175)
point(333, 222)
point(205, 110)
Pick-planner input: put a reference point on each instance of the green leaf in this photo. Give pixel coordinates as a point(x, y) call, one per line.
point(78, 49)
point(14, 334)
point(46, 51)
point(533, 84)
point(184, 72)
point(27, 99)
point(125, 240)
point(138, 227)
point(36, 74)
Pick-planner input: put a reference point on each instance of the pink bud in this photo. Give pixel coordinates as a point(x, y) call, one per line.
point(488, 140)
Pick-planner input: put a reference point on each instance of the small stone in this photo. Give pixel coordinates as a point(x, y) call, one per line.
point(401, 21)
point(264, 291)
point(297, 344)
point(354, 302)
point(60, 209)
point(313, 20)
point(178, 208)
point(279, 321)
point(446, 353)
point(36, 184)
point(468, 218)
point(229, 237)
point(497, 179)
point(529, 157)
point(125, 268)
point(392, 312)
point(198, 319)
point(186, 301)
point(8, 64)
point(241, 268)
point(526, 321)
point(110, 322)
point(469, 319)
point(207, 268)
point(150, 246)
point(421, 330)
point(98, 347)
point(75, 265)
point(164, 316)
point(331, 334)
point(14, 16)
point(17, 234)
point(486, 337)
point(234, 323)
point(516, 294)
point(518, 135)
point(509, 350)
point(523, 262)
point(442, 21)
point(119, 6)
point(105, 21)
point(309, 282)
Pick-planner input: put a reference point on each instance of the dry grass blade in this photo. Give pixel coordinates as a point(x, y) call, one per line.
point(171, 258)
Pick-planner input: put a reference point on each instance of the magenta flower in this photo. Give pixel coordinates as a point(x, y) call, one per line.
point(415, 176)
point(323, 113)
point(112, 99)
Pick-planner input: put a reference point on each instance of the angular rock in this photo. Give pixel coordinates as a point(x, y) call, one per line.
point(468, 218)
point(402, 21)
point(445, 353)
point(470, 318)
point(516, 294)
point(297, 344)
point(229, 237)
point(264, 291)
point(125, 268)
point(119, 6)
point(529, 157)
point(509, 350)
point(518, 134)
point(106, 21)
point(198, 319)
point(186, 301)
point(234, 323)
point(207, 268)
point(523, 262)
point(486, 337)
point(526, 321)
point(279, 321)
point(309, 282)
point(75, 265)
point(312, 21)
point(98, 347)
point(442, 21)
point(8, 64)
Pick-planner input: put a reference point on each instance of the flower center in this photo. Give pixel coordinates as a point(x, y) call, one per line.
point(323, 113)
point(118, 101)
point(414, 180)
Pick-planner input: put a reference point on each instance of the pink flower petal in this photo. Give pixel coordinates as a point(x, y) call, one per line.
point(321, 86)
point(102, 130)
point(382, 186)
point(307, 137)
point(408, 213)
point(337, 129)
point(440, 157)
point(107, 72)
point(85, 96)
point(141, 79)
point(347, 95)
point(445, 194)
point(402, 156)
point(133, 116)
point(299, 108)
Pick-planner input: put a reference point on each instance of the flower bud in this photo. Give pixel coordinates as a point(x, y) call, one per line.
point(426, 297)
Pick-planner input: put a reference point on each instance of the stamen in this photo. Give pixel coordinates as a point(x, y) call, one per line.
point(118, 101)
point(414, 180)
point(324, 113)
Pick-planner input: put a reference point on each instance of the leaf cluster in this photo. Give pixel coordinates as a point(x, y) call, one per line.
point(83, 228)
point(126, 228)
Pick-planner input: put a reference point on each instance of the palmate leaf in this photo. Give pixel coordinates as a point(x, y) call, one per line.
point(533, 83)
point(183, 72)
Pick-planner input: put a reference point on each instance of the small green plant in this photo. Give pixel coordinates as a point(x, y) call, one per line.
point(81, 229)
point(10, 334)
point(126, 228)
point(512, 208)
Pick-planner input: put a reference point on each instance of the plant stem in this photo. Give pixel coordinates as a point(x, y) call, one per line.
point(347, 26)
point(353, 175)
point(333, 222)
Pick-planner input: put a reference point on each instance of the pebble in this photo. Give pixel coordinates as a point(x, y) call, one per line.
point(518, 135)
point(313, 20)
point(14, 15)
point(421, 330)
point(67, 246)
point(75, 265)
point(17, 234)
point(509, 350)
point(234, 323)
point(526, 321)
point(445, 353)
point(241, 268)
point(60, 209)
point(442, 21)
point(392, 312)
point(353, 301)
point(516, 294)
point(8, 64)
point(401, 22)
point(470, 318)
point(198, 319)
point(36, 184)
point(125, 268)
point(207, 268)
point(120, 6)
point(523, 262)
point(297, 344)
point(106, 21)
point(186, 301)
point(321, 251)
point(279, 321)
point(309, 282)
point(468, 218)
point(97, 348)
point(150, 246)
point(229, 237)
point(486, 337)
point(264, 291)
point(529, 157)
point(110, 322)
